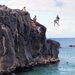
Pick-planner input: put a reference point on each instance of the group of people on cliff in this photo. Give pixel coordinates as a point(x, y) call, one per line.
point(37, 28)
point(33, 21)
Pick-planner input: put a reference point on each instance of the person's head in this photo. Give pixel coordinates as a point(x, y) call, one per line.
point(35, 16)
point(24, 7)
point(57, 17)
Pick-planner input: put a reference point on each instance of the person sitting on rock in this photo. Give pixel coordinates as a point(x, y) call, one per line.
point(56, 21)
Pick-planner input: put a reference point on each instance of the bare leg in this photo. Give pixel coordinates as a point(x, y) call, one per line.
point(54, 22)
point(58, 23)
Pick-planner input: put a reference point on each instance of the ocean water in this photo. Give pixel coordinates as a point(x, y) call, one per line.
point(66, 66)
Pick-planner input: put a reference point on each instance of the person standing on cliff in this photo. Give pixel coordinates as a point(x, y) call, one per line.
point(24, 9)
point(34, 22)
point(56, 21)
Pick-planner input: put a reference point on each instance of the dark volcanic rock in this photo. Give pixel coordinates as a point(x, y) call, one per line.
point(53, 50)
point(20, 45)
point(71, 45)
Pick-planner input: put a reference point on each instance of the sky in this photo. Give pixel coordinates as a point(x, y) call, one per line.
point(46, 11)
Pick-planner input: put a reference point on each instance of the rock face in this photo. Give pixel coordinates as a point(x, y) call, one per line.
point(53, 48)
point(20, 45)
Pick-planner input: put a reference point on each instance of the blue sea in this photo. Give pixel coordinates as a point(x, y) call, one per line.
point(66, 66)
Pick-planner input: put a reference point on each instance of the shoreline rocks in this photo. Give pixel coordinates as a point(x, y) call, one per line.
point(71, 45)
point(20, 45)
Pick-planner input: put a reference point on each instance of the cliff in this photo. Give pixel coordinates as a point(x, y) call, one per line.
point(21, 45)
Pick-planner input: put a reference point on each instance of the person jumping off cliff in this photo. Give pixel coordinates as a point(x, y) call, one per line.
point(56, 21)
